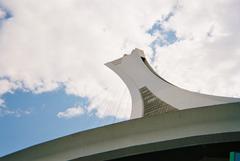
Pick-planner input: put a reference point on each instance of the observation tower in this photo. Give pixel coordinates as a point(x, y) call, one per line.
point(151, 94)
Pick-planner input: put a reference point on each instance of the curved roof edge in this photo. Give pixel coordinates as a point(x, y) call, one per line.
point(193, 126)
point(193, 141)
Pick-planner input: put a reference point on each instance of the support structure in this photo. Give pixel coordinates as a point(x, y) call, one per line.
point(151, 94)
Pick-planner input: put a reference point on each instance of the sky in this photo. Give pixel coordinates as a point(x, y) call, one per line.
point(53, 81)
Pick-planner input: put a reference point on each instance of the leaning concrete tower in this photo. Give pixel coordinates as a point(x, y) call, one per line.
point(151, 94)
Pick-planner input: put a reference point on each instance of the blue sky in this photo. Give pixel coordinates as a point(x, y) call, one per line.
point(53, 81)
point(163, 37)
point(42, 123)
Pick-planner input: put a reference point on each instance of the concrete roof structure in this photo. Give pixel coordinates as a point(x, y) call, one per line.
point(207, 133)
point(172, 130)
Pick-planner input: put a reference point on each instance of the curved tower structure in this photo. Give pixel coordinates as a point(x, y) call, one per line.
point(151, 94)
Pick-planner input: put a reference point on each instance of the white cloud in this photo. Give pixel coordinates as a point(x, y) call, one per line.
point(8, 86)
point(2, 102)
point(2, 14)
point(208, 55)
point(6, 111)
point(71, 112)
point(51, 42)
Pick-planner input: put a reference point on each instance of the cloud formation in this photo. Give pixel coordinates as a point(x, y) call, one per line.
point(67, 42)
point(6, 111)
point(51, 43)
point(2, 14)
point(208, 54)
point(2, 102)
point(71, 112)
